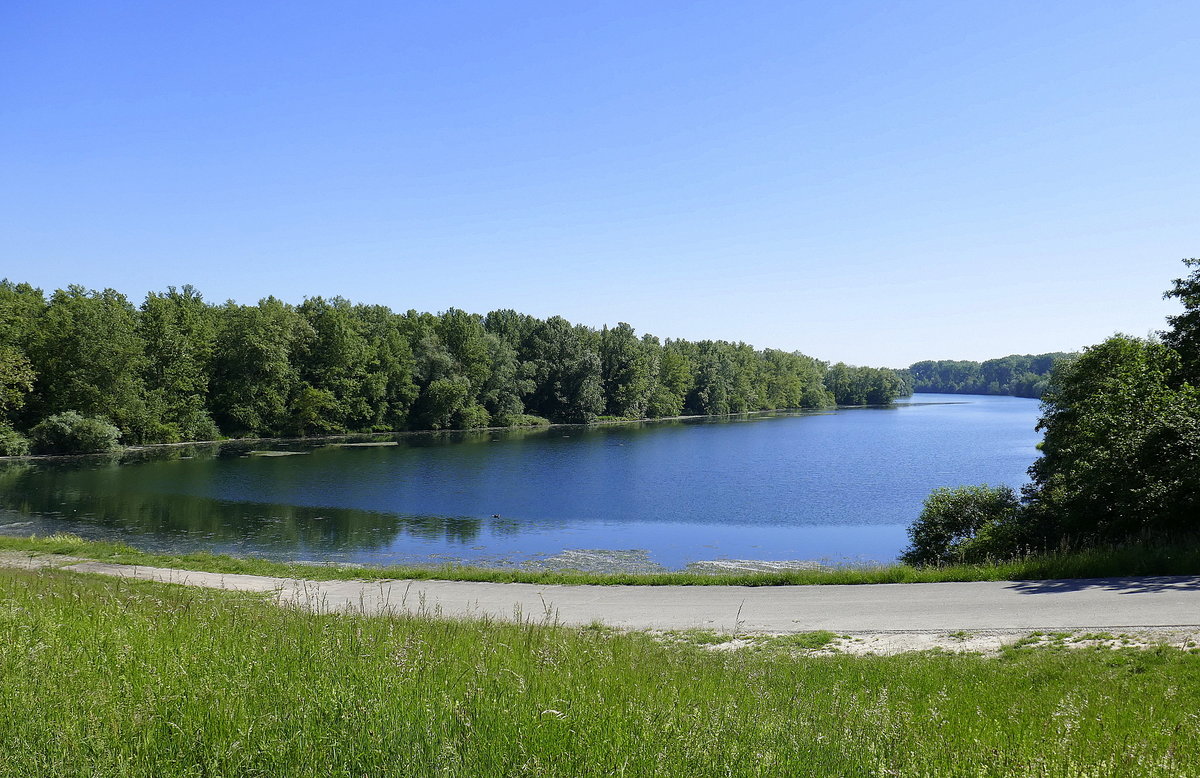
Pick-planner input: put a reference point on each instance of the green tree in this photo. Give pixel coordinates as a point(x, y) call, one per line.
point(713, 380)
point(391, 389)
point(965, 524)
point(90, 357)
point(674, 380)
point(506, 383)
point(254, 376)
point(565, 368)
point(21, 307)
point(339, 389)
point(1184, 332)
point(16, 381)
point(1122, 446)
point(625, 372)
point(179, 332)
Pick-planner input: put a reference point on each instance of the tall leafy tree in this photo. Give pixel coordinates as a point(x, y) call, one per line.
point(674, 379)
point(566, 371)
point(21, 307)
point(90, 358)
point(1121, 454)
point(714, 380)
point(506, 383)
point(254, 375)
point(1184, 332)
point(625, 372)
point(338, 390)
point(179, 332)
point(392, 389)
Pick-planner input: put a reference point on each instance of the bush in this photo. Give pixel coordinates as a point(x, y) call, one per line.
point(12, 443)
point(966, 524)
point(71, 433)
point(200, 426)
point(519, 420)
point(471, 417)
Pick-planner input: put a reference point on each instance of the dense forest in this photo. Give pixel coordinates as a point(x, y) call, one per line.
point(1120, 458)
point(81, 369)
point(1017, 375)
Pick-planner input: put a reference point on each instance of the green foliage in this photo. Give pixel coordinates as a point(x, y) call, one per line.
point(1121, 454)
point(1016, 375)
point(12, 443)
point(16, 380)
point(90, 357)
point(850, 385)
point(965, 524)
point(625, 369)
point(471, 416)
point(1184, 333)
point(673, 380)
point(179, 368)
point(255, 367)
point(521, 420)
point(389, 389)
point(179, 332)
point(102, 677)
point(565, 366)
point(71, 433)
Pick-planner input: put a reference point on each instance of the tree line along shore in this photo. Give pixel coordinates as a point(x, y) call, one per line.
point(82, 369)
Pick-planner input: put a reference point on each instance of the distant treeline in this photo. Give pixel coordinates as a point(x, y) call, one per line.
point(178, 368)
point(1018, 375)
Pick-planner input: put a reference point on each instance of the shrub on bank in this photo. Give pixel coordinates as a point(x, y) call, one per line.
point(520, 420)
point(72, 433)
point(12, 443)
point(965, 524)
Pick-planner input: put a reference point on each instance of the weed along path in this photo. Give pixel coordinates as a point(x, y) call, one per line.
point(1098, 603)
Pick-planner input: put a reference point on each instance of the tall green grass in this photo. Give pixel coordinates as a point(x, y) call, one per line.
point(102, 677)
point(1130, 560)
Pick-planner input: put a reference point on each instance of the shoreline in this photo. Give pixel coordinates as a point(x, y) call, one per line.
point(1176, 559)
point(401, 433)
point(549, 425)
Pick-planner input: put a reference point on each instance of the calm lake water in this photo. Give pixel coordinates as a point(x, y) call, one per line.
point(839, 486)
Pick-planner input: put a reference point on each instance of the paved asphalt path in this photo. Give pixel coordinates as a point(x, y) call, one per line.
point(1097, 603)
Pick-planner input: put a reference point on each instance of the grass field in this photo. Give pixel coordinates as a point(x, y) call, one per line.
point(1143, 559)
point(101, 677)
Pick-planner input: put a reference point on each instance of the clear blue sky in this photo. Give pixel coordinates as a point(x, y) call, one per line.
point(872, 182)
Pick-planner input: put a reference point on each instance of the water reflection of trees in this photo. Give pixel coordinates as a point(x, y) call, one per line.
point(114, 495)
point(59, 492)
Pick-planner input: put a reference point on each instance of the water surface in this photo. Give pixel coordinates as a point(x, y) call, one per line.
point(838, 486)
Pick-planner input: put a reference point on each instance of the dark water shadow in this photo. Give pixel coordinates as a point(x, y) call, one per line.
point(1126, 585)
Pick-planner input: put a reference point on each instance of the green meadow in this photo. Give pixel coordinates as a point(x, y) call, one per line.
point(102, 677)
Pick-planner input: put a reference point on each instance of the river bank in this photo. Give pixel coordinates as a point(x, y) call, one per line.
point(1131, 560)
point(544, 424)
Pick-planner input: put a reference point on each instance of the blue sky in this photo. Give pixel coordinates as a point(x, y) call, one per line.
point(870, 182)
